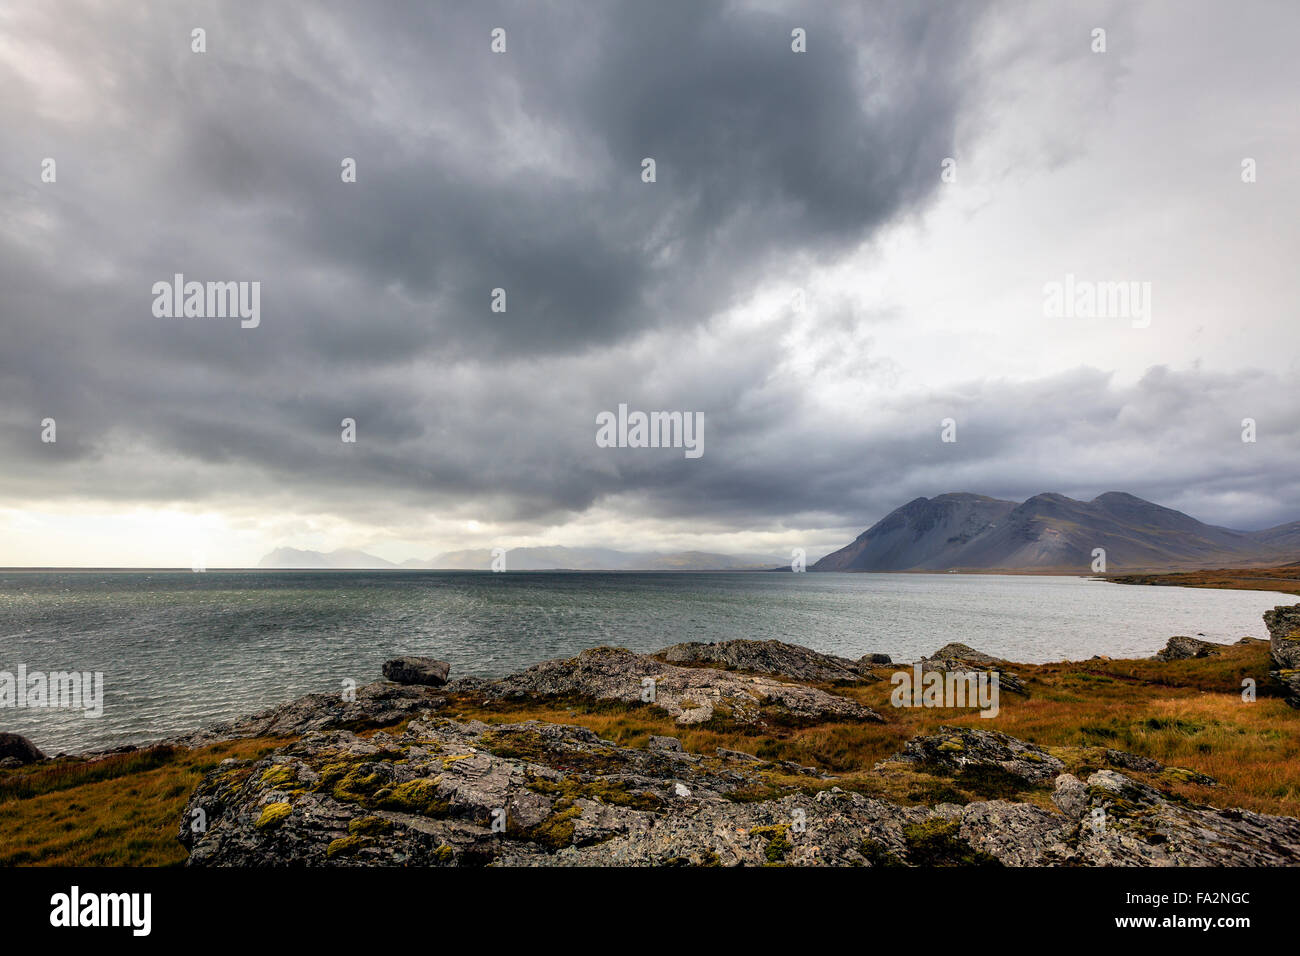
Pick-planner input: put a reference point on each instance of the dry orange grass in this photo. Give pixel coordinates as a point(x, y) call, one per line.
point(121, 811)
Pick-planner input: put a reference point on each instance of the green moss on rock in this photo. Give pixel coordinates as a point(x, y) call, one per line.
point(936, 843)
point(273, 814)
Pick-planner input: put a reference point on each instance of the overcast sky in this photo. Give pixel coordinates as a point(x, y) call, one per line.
point(776, 171)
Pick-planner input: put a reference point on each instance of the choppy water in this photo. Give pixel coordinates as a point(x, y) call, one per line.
point(181, 650)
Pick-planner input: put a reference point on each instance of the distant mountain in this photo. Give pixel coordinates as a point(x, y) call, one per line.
point(344, 558)
point(529, 559)
point(1052, 532)
point(605, 559)
point(1284, 536)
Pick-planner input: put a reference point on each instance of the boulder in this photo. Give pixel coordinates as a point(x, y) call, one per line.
point(961, 652)
point(417, 670)
point(960, 658)
point(16, 750)
point(1284, 648)
point(1182, 648)
point(957, 749)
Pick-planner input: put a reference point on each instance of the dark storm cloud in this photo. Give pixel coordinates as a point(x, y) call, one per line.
point(519, 171)
point(475, 171)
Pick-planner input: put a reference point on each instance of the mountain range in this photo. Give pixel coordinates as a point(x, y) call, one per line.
point(962, 531)
point(951, 532)
point(528, 559)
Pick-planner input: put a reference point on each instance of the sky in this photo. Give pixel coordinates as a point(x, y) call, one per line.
point(841, 248)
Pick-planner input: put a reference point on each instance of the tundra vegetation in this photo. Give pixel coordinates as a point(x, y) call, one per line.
point(1177, 726)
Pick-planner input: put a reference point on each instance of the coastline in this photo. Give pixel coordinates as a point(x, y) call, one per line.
point(1285, 579)
point(581, 764)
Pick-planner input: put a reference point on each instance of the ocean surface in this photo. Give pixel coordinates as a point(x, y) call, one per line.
point(181, 650)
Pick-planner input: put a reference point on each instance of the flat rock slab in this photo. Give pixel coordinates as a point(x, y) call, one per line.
point(691, 695)
point(766, 657)
point(372, 705)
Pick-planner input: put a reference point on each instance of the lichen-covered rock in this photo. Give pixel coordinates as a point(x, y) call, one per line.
point(766, 657)
point(691, 695)
point(373, 705)
point(959, 748)
point(417, 670)
point(1120, 822)
point(440, 793)
point(1284, 648)
point(536, 794)
point(1127, 761)
point(961, 659)
point(1181, 648)
point(963, 652)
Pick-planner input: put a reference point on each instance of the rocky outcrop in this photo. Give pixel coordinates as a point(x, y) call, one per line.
point(961, 659)
point(417, 670)
point(767, 657)
point(966, 654)
point(1121, 822)
point(445, 792)
point(692, 695)
point(960, 748)
point(16, 751)
point(1284, 648)
point(372, 705)
point(1182, 648)
point(535, 794)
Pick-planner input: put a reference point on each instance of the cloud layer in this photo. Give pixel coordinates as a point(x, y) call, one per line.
point(776, 171)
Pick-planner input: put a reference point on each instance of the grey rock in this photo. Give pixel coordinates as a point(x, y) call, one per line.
point(1128, 761)
point(966, 654)
point(870, 660)
point(959, 748)
point(430, 796)
point(726, 754)
point(373, 705)
point(765, 657)
point(1071, 795)
point(671, 744)
point(1284, 648)
point(691, 695)
point(417, 670)
point(1181, 648)
point(961, 659)
point(1126, 823)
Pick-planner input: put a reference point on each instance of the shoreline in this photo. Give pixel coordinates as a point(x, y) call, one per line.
point(742, 735)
